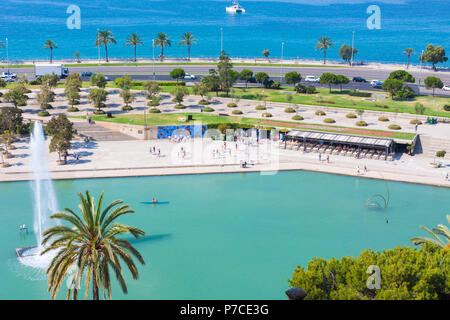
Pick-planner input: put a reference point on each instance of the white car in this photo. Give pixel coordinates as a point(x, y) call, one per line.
point(312, 79)
point(8, 79)
point(446, 87)
point(189, 76)
point(8, 75)
point(376, 84)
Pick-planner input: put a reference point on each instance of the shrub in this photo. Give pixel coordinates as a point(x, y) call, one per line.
point(73, 109)
point(383, 119)
point(171, 83)
point(329, 120)
point(267, 115)
point(298, 118)
point(232, 105)
point(361, 124)
point(275, 85)
point(406, 93)
point(395, 127)
point(180, 106)
point(320, 113)
point(441, 154)
point(43, 113)
point(289, 110)
point(310, 89)
point(384, 106)
point(208, 109)
point(351, 116)
point(416, 121)
point(299, 88)
point(447, 107)
point(99, 111)
point(260, 107)
point(356, 93)
point(127, 108)
point(203, 102)
point(154, 110)
point(237, 112)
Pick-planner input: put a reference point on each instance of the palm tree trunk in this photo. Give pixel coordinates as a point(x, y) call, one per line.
point(189, 53)
point(135, 53)
point(51, 55)
point(324, 56)
point(94, 286)
point(162, 52)
point(407, 66)
point(106, 52)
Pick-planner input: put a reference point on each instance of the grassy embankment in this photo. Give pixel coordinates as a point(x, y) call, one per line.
point(179, 119)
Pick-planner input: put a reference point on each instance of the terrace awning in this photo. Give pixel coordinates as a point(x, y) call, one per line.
point(335, 138)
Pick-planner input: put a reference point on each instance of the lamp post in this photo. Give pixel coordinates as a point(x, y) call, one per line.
point(282, 49)
point(153, 45)
point(353, 46)
point(98, 46)
point(221, 41)
point(7, 54)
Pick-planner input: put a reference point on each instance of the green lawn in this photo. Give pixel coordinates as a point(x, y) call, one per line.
point(174, 119)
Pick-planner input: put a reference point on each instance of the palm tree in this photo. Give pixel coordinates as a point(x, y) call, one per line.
point(90, 247)
point(105, 37)
point(77, 56)
point(188, 39)
point(323, 44)
point(51, 45)
point(162, 40)
point(408, 52)
point(134, 40)
point(441, 230)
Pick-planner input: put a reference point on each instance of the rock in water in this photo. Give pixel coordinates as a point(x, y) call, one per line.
point(296, 294)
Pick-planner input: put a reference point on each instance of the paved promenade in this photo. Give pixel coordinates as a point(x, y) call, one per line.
point(198, 156)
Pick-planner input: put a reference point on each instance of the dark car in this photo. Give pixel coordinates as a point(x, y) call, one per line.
point(86, 74)
point(359, 79)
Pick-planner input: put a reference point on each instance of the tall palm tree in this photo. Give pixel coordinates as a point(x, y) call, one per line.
point(408, 52)
point(91, 247)
point(105, 37)
point(188, 39)
point(440, 230)
point(51, 45)
point(162, 40)
point(323, 44)
point(134, 40)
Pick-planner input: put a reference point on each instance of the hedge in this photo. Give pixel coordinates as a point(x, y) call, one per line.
point(237, 112)
point(415, 121)
point(298, 118)
point(180, 106)
point(447, 107)
point(266, 115)
point(73, 109)
point(351, 116)
point(329, 120)
point(289, 110)
point(383, 119)
point(127, 108)
point(43, 113)
point(232, 105)
point(260, 107)
point(361, 124)
point(208, 109)
point(161, 83)
point(356, 93)
point(320, 113)
point(395, 127)
point(154, 110)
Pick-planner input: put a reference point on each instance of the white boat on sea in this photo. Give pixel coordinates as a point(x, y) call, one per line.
point(235, 8)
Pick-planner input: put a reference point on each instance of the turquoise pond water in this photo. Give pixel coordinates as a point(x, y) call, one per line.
point(229, 236)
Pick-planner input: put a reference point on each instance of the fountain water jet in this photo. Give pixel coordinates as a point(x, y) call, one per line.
point(45, 203)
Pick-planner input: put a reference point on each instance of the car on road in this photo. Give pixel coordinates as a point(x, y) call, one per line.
point(359, 79)
point(87, 74)
point(377, 84)
point(312, 79)
point(8, 79)
point(189, 76)
point(8, 74)
point(446, 87)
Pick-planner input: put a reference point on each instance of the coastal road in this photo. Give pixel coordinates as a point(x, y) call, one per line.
point(368, 73)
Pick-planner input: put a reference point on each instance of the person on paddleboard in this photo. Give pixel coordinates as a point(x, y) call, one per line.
point(154, 201)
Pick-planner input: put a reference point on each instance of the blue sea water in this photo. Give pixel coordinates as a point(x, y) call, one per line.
point(297, 23)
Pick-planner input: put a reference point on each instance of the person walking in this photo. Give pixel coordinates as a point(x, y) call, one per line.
point(328, 159)
point(320, 157)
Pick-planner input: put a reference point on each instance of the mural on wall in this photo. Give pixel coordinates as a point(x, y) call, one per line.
point(193, 131)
